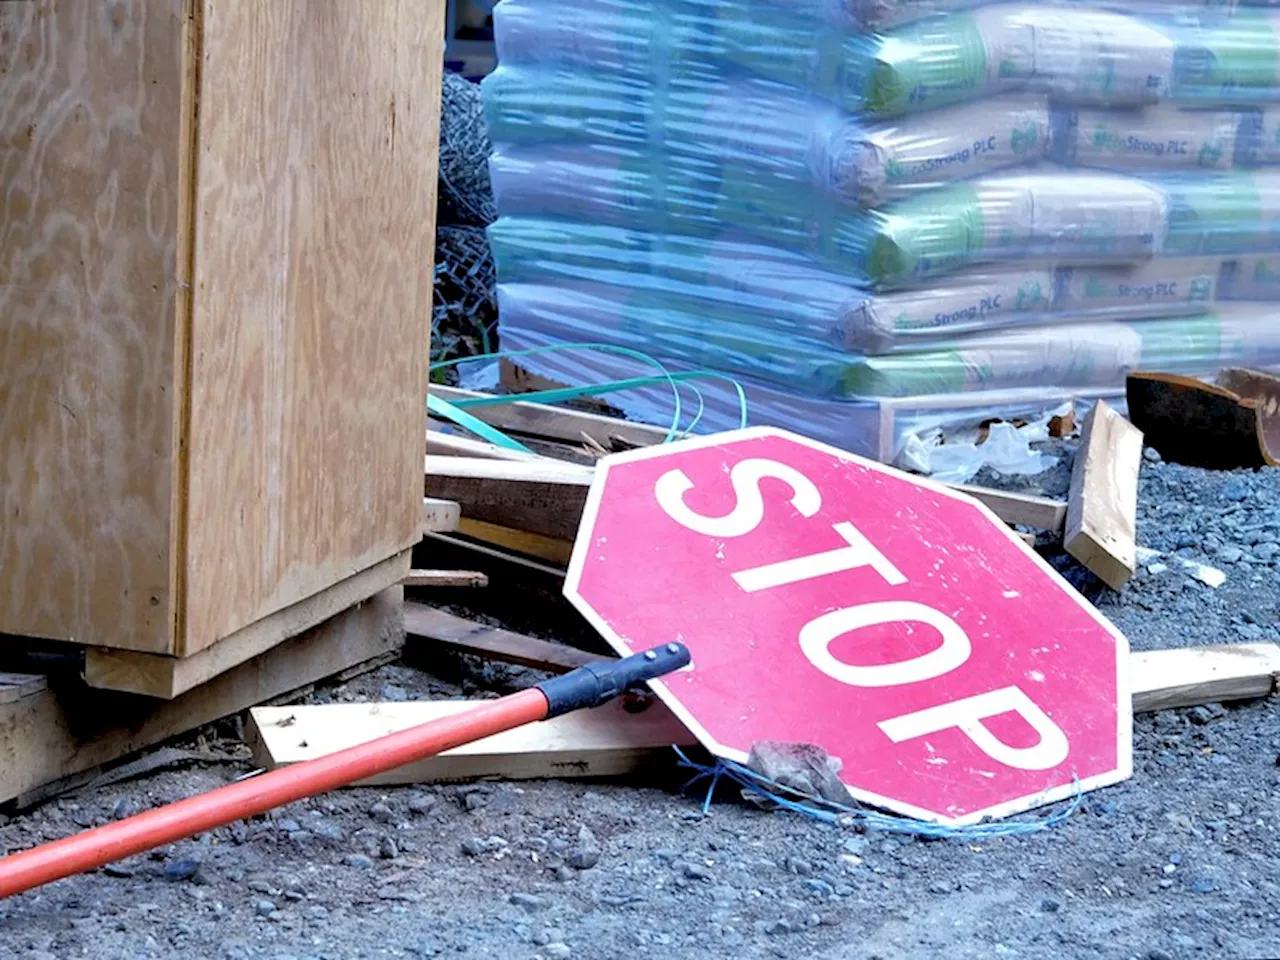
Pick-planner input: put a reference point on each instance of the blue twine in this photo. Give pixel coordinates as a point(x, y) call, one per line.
point(838, 814)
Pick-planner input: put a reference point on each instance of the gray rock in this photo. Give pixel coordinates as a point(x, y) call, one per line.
point(475, 801)
point(316, 912)
point(124, 807)
point(1202, 885)
point(556, 950)
point(801, 868)
point(382, 813)
point(358, 860)
point(421, 804)
point(177, 871)
point(583, 858)
point(819, 887)
point(1235, 490)
point(1229, 555)
point(1155, 953)
point(264, 907)
point(695, 871)
point(585, 854)
point(387, 849)
point(1152, 455)
point(327, 831)
point(477, 846)
point(777, 928)
point(527, 900)
point(1050, 905)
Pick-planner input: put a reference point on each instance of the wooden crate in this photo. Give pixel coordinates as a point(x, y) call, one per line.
point(216, 236)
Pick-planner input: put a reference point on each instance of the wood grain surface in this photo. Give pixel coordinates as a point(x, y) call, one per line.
point(90, 95)
point(312, 299)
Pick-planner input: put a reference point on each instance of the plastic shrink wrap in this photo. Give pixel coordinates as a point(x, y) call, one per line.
point(883, 215)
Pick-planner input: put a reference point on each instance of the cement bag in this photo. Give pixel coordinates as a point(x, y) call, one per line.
point(784, 295)
point(701, 336)
point(1233, 60)
point(1040, 215)
point(532, 105)
point(1225, 213)
point(869, 166)
point(1080, 55)
point(870, 16)
point(1076, 355)
point(961, 304)
point(1147, 139)
point(612, 37)
point(1156, 288)
point(1251, 278)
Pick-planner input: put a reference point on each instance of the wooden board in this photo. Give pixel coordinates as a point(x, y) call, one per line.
point(1102, 507)
point(312, 262)
point(440, 516)
point(90, 185)
point(604, 742)
point(467, 636)
point(152, 675)
point(544, 497)
point(15, 686)
point(1040, 513)
point(520, 541)
point(449, 445)
point(1162, 679)
point(556, 423)
point(446, 578)
point(610, 740)
point(505, 556)
point(68, 729)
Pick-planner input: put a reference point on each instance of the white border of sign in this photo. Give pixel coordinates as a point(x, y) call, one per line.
point(1124, 709)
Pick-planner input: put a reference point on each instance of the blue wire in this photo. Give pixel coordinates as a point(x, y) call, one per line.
point(836, 813)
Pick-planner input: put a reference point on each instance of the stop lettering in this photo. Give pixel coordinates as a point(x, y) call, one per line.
point(831, 600)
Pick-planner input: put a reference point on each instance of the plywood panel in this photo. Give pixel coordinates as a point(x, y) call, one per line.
point(90, 95)
point(313, 253)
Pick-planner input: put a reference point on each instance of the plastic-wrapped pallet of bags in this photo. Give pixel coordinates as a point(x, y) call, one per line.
point(1065, 355)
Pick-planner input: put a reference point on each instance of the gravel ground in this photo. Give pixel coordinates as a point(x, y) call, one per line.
point(1181, 861)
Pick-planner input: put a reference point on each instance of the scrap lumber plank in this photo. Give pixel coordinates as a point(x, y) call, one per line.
point(610, 740)
point(467, 636)
point(606, 741)
point(1041, 513)
point(1185, 677)
point(63, 735)
point(1161, 679)
point(550, 549)
point(440, 516)
point(1102, 506)
point(555, 423)
point(440, 444)
point(503, 555)
point(15, 686)
point(544, 497)
point(446, 578)
point(153, 675)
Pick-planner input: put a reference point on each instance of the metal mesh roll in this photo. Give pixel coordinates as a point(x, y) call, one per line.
point(465, 196)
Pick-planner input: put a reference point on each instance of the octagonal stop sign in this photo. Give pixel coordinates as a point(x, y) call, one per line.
point(831, 600)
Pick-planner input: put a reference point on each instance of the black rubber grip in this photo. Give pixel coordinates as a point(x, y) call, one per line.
point(598, 683)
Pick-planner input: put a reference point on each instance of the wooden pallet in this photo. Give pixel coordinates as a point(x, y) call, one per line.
point(57, 733)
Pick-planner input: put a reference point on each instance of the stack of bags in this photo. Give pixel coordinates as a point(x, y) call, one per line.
point(959, 206)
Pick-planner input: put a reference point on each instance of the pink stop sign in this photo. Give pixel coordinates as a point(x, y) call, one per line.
point(832, 600)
